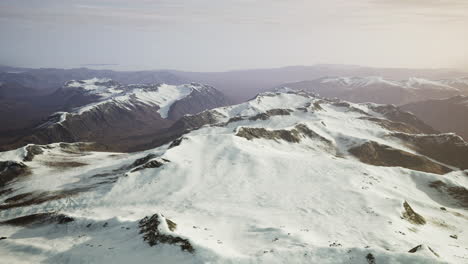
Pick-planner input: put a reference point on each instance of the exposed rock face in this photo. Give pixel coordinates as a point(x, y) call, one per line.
point(370, 258)
point(419, 248)
point(190, 122)
point(393, 113)
point(118, 116)
point(31, 151)
point(279, 112)
point(142, 161)
point(393, 126)
point(156, 163)
point(381, 155)
point(10, 170)
point(411, 216)
point(447, 148)
point(39, 219)
point(177, 142)
point(158, 230)
point(33, 198)
point(294, 135)
point(105, 124)
point(198, 101)
point(459, 194)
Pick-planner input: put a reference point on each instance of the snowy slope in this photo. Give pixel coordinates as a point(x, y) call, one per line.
point(291, 194)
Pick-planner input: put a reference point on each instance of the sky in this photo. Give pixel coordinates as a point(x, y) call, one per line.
point(219, 35)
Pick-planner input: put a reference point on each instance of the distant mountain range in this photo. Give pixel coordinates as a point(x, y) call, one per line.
point(31, 98)
point(446, 115)
point(383, 91)
point(238, 86)
point(107, 112)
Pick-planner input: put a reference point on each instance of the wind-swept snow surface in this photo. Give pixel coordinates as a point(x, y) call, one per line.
point(268, 181)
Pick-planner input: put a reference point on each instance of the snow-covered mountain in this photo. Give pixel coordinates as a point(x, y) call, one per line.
point(105, 111)
point(443, 114)
point(380, 90)
point(287, 177)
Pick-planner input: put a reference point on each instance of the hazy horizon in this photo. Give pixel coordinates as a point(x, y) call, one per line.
point(214, 36)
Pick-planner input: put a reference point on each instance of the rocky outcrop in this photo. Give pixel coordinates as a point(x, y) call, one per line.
point(411, 216)
point(39, 219)
point(423, 248)
point(447, 148)
point(392, 126)
point(458, 194)
point(11, 170)
point(32, 151)
point(155, 163)
point(157, 229)
point(394, 114)
point(142, 161)
point(381, 155)
point(294, 135)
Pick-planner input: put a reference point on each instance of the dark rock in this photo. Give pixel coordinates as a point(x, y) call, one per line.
point(261, 116)
point(317, 106)
point(34, 198)
point(149, 227)
point(411, 216)
point(150, 164)
point(235, 119)
point(393, 126)
point(294, 135)
point(454, 236)
point(10, 170)
point(395, 114)
point(131, 127)
point(459, 194)
point(279, 112)
point(447, 148)
point(342, 104)
point(2, 238)
point(31, 151)
point(204, 98)
point(421, 247)
point(39, 219)
point(382, 155)
point(177, 142)
point(370, 258)
point(142, 161)
point(63, 219)
point(415, 249)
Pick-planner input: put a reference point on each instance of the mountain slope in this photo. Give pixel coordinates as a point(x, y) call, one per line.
point(105, 111)
point(275, 180)
point(381, 90)
point(447, 115)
